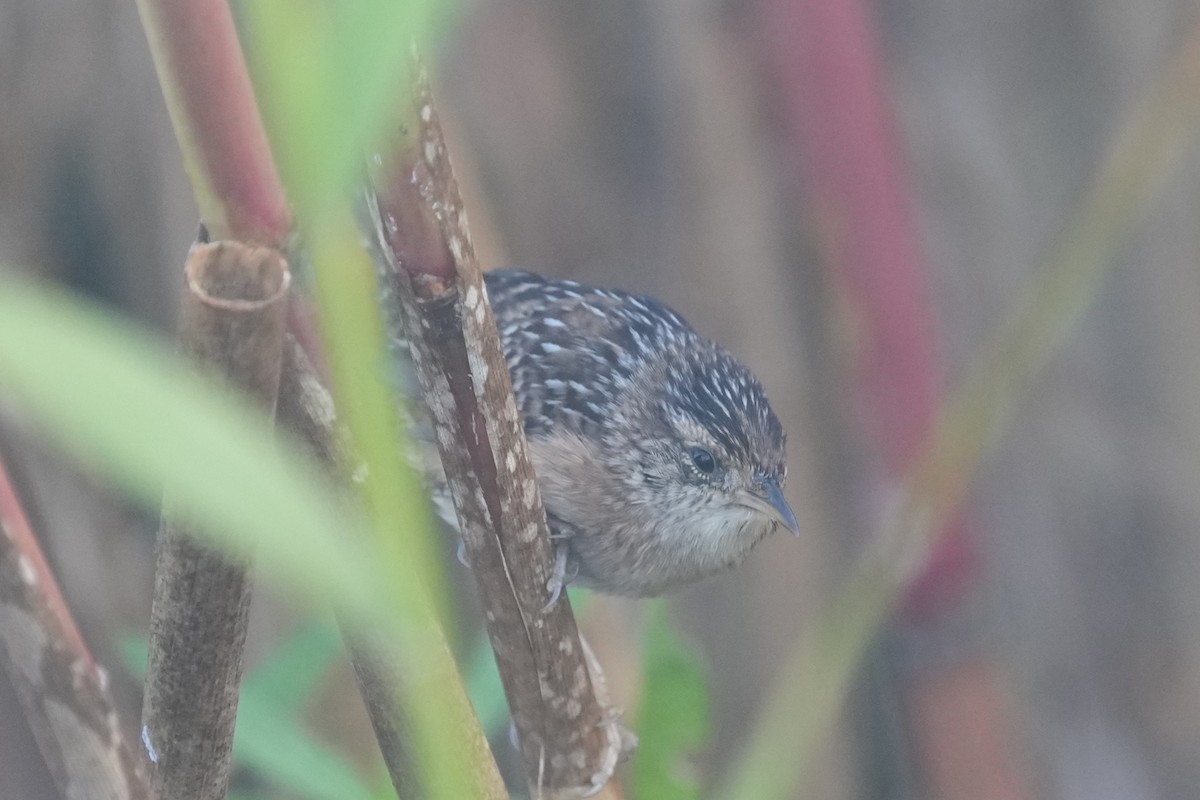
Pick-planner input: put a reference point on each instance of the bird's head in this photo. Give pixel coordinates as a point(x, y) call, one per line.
point(711, 455)
point(658, 456)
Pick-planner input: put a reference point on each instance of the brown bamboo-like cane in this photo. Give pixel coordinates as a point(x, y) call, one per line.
point(569, 740)
point(232, 325)
point(240, 195)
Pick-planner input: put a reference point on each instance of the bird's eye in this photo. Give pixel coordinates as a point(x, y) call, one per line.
point(703, 460)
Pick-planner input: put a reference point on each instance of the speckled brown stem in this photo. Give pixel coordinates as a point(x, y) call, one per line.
point(233, 321)
point(63, 692)
point(569, 741)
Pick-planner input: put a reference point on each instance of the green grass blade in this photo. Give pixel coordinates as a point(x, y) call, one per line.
point(277, 745)
point(119, 400)
point(329, 76)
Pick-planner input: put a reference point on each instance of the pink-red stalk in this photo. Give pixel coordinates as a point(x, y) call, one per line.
point(228, 158)
point(835, 106)
point(844, 142)
point(62, 690)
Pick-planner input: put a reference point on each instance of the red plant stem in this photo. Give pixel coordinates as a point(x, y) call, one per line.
point(237, 188)
point(228, 158)
point(411, 229)
point(18, 530)
point(965, 737)
point(62, 690)
point(835, 104)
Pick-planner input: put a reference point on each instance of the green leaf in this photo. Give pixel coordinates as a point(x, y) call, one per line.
point(290, 677)
point(132, 649)
point(273, 742)
point(484, 686)
point(118, 399)
point(329, 75)
point(674, 718)
point(123, 402)
point(272, 739)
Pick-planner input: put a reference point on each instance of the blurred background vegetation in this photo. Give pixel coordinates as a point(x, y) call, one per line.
point(648, 144)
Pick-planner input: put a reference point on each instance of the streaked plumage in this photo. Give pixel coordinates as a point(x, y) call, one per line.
point(625, 405)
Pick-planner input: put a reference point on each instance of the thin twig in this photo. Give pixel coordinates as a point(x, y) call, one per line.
point(569, 741)
point(232, 324)
point(61, 688)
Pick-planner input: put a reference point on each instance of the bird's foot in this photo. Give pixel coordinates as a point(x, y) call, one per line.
point(621, 745)
point(621, 741)
point(564, 572)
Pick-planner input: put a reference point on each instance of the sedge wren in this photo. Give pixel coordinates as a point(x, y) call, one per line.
point(658, 457)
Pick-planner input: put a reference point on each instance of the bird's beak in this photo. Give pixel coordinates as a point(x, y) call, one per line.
point(772, 502)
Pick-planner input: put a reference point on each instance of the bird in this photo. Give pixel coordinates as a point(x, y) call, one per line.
point(658, 456)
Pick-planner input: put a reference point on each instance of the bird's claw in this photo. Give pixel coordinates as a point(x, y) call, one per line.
point(563, 573)
point(622, 743)
point(514, 739)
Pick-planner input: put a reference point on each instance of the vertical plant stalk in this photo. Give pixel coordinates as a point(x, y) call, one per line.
point(232, 325)
point(844, 139)
point(63, 692)
point(813, 682)
point(211, 101)
point(380, 682)
point(307, 409)
point(844, 133)
point(238, 190)
point(569, 741)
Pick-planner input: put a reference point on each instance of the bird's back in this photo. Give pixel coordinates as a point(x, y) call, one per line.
point(573, 349)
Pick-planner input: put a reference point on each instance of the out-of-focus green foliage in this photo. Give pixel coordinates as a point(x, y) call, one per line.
point(329, 75)
point(483, 683)
point(120, 401)
point(272, 740)
point(673, 721)
point(271, 736)
point(292, 675)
